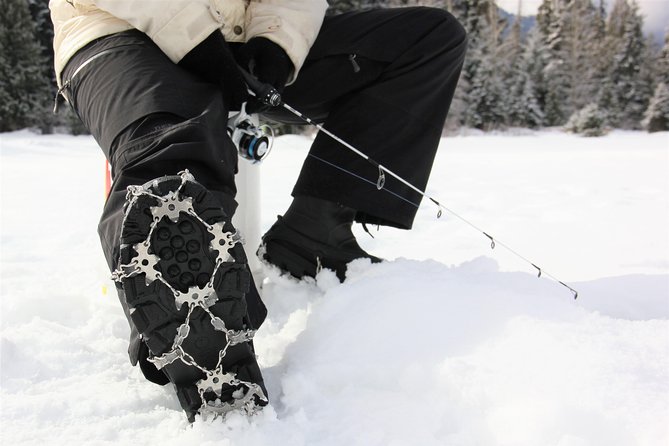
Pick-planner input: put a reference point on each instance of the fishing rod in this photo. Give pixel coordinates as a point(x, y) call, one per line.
point(269, 96)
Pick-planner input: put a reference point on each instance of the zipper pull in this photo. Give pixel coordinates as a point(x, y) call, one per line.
point(55, 104)
point(356, 67)
point(58, 94)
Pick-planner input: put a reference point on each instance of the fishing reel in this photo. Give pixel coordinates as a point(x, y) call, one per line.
point(253, 141)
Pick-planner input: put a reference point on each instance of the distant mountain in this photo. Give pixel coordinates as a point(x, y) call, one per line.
point(526, 22)
point(653, 28)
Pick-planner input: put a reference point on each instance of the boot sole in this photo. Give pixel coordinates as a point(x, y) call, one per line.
point(174, 294)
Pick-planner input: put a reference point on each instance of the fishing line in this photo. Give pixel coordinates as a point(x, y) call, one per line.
point(268, 95)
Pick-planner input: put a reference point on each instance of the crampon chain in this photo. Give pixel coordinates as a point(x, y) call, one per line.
point(171, 206)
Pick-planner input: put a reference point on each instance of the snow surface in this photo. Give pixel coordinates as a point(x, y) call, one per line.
point(448, 343)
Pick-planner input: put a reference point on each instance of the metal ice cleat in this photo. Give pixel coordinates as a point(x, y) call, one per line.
point(223, 241)
point(205, 297)
point(214, 382)
point(133, 191)
point(239, 336)
point(167, 358)
point(171, 206)
point(243, 401)
point(234, 336)
point(217, 410)
point(182, 334)
point(245, 404)
point(255, 389)
point(186, 176)
point(218, 323)
point(145, 262)
point(125, 271)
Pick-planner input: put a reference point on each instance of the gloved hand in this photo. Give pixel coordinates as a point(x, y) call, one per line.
point(266, 60)
point(213, 61)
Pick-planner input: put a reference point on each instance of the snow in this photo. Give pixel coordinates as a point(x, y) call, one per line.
point(448, 342)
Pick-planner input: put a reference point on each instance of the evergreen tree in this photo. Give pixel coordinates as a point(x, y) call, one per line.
point(432, 3)
point(24, 91)
point(599, 56)
point(510, 52)
point(482, 87)
point(524, 107)
point(556, 72)
point(484, 110)
point(456, 113)
point(655, 69)
point(340, 6)
point(625, 93)
point(581, 43)
point(588, 121)
point(663, 61)
point(39, 11)
point(656, 118)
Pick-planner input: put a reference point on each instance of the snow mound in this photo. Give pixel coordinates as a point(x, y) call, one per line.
point(409, 351)
point(403, 352)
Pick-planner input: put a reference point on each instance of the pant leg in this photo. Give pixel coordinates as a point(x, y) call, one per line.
point(392, 109)
point(151, 118)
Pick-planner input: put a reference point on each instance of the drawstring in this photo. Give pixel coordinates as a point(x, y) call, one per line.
point(364, 226)
point(356, 66)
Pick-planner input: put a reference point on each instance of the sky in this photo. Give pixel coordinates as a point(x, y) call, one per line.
point(655, 12)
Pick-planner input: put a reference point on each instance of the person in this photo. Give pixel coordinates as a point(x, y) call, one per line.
point(154, 83)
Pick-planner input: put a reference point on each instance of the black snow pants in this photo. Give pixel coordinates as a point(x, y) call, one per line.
point(382, 80)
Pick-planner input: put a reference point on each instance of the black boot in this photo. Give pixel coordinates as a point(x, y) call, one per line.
point(313, 234)
point(185, 282)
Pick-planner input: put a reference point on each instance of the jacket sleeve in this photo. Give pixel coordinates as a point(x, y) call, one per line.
point(176, 26)
point(292, 24)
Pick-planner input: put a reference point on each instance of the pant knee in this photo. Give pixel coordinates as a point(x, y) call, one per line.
point(166, 146)
point(446, 31)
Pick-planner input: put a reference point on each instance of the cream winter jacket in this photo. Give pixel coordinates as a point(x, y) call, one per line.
point(177, 26)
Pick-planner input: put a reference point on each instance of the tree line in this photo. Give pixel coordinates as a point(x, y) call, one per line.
point(578, 66)
point(27, 78)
